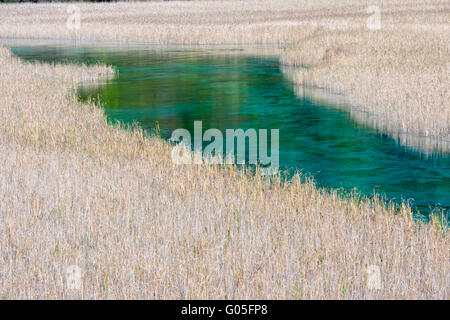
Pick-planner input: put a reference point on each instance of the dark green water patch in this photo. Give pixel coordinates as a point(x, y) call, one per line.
point(225, 90)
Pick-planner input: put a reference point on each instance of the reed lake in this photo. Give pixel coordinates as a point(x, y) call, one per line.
point(175, 86)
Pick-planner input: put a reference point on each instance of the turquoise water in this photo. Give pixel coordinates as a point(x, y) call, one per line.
point(174, 87)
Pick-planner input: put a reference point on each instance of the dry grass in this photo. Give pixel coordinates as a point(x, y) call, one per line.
point(400, 78)
point(75, 190)
point(210, 22)
point(399, 75)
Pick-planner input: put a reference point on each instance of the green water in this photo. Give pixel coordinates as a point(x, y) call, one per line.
point(177, 86)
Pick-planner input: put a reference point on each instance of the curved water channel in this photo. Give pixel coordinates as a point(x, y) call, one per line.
point(177, 86)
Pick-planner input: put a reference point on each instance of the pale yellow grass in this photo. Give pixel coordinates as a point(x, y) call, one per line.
point(74, 190)
point(77, 191)
point(398, 75)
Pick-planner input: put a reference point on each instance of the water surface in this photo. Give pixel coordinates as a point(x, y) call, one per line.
point(174, 87)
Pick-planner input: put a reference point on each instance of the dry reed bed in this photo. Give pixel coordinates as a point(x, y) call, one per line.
point(399, 74)
point(210, 22)
point(401, 77)
point(77, 191)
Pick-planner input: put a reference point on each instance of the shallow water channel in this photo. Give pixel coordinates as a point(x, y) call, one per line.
point(177, 86)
